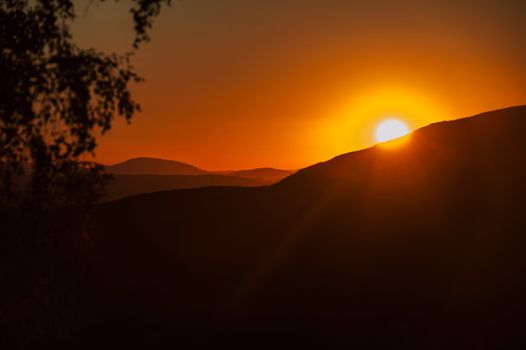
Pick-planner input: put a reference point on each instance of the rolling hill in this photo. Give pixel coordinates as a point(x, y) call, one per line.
point(153, 166)
point(419, 246)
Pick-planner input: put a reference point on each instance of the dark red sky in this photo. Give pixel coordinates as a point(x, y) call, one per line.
point(249, 83)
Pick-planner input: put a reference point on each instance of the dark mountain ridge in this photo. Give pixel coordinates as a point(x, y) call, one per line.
point(415, 246)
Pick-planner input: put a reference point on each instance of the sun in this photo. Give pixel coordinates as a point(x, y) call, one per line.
point(390, 129)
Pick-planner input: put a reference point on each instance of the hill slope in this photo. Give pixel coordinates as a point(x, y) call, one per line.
point(267, 175)
point(419, 246)
point(121, 186)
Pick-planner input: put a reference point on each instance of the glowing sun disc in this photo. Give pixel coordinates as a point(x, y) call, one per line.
point(390, 129)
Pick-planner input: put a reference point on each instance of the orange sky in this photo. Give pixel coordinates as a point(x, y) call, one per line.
point(247, 83)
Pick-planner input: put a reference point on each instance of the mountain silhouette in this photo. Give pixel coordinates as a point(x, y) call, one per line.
point(153, 166)
point(419, 246)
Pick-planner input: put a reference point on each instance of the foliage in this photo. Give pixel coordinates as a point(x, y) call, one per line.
point(55, 97)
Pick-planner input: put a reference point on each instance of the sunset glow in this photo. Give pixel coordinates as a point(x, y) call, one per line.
point(242, 84)
point(244, 173)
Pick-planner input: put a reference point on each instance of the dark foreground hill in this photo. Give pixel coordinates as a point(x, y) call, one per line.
point(419, 246)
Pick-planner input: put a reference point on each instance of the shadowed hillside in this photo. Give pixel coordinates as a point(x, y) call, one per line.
point(121, 186)
point(419, 246)
point(268, 175)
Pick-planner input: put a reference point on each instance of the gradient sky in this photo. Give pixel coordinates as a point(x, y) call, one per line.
point(287, 83)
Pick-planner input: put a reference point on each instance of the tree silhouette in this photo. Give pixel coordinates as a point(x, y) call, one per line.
point(54, 99)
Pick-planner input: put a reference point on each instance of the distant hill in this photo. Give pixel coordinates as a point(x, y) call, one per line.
point(153, 166)
point(419, 246)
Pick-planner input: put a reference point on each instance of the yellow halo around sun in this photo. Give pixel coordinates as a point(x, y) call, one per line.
point(351, 124)
point(390, 129)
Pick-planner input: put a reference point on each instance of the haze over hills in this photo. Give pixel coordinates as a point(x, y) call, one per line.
point(419, 246)
point(145, 175)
